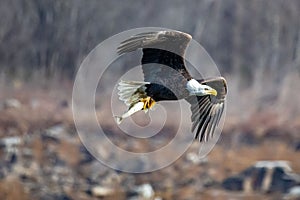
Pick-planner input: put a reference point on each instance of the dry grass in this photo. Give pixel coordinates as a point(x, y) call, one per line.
point(233, 160)
point(39, 109)
point(12, 189)
point(223, 195)
point(267, 102)
point(69, 152)
point(38, 150)
point(225, 159)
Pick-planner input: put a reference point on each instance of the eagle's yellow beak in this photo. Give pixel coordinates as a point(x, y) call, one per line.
point(212, 92)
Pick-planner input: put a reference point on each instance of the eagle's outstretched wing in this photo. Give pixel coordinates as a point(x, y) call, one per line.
point(207, 110)
point(166, 49)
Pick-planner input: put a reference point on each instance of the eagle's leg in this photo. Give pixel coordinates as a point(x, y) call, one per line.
point(143, 104)
point(148, 103)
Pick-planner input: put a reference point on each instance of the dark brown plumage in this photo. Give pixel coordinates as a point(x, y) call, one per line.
point(166, 77)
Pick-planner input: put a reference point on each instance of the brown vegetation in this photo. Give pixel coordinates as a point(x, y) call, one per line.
point(183, 179)
point(255, 44)
point(12, 189)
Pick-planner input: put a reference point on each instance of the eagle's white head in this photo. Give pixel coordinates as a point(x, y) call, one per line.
point(195, 88)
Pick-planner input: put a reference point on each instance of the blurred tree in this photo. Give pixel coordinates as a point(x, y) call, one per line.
point(53, 36)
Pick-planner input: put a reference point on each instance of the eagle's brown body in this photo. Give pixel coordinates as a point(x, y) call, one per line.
point(166, 78)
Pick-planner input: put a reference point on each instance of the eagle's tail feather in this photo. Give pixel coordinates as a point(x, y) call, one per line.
point(132, 91)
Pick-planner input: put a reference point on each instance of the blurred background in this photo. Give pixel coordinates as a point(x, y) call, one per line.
point(256, 46)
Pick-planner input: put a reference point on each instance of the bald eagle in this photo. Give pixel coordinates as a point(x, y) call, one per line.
point(162, 84)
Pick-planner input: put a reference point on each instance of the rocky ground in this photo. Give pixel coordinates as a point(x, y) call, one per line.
point(42, 157)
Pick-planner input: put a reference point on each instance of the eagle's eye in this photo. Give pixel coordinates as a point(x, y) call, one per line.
point(205, 88)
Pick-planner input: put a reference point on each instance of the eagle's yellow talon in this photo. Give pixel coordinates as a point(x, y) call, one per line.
point(148, 103)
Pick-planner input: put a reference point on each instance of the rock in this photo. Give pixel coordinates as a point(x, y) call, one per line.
point(293, 193)
point(54, 133)
point(145, 191)
point(234, 183)
point(100, 191)
point(34, 103)
point(195, 158)
point(2, 172)
point(11, 103)
point(272, 164)
point(56, 197)
point(10, 142)
point(111, 179)
point(10, 146)
point(96, 173)
point(64, 104)
point(56, 130)
point(87, 156)
point(12, 159)
point(297, 146)
point(264, 176)
point(208, 181)
point(283, 181)
point(49, 138)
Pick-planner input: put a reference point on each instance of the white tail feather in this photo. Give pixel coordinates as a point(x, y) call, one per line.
point(131, 91)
